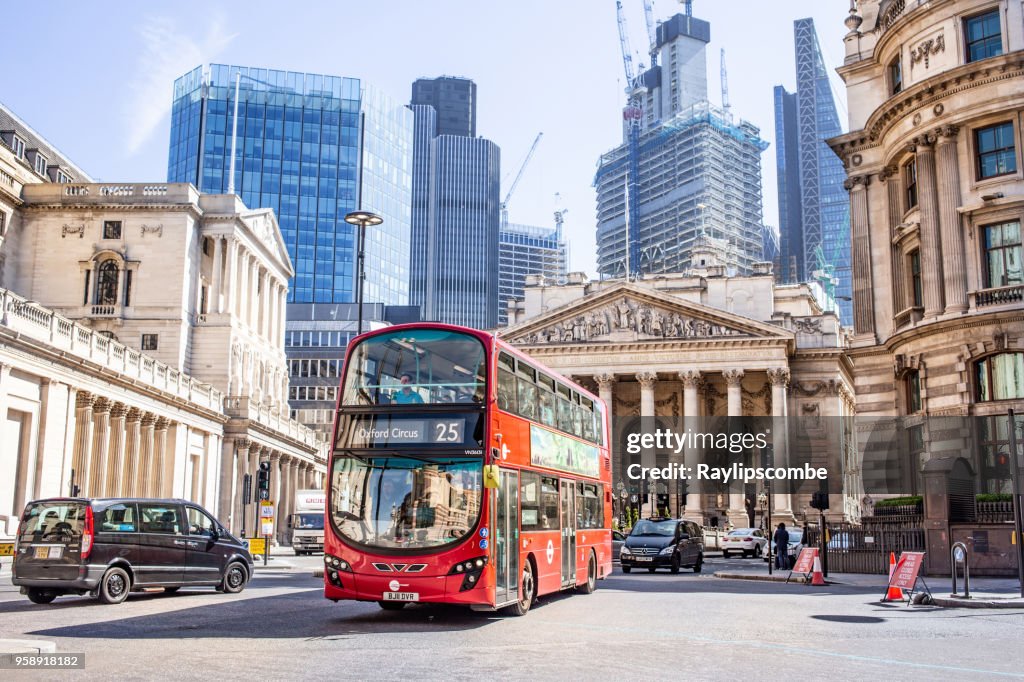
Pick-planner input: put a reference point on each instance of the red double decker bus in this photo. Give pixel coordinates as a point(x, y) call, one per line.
point(463, 472)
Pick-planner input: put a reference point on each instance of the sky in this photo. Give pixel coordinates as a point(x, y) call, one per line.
point(95, 79)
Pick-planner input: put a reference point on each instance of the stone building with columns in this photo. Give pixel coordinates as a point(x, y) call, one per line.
point(936, 184)
point(142, 346)
point(697, 344)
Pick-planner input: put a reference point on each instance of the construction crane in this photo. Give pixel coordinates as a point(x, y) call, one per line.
point(632, 115)
point(515, 183)
point(689, 6)
point(652, 31)
point(725, 91)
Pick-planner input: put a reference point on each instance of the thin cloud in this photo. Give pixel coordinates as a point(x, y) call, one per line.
point(167, 53)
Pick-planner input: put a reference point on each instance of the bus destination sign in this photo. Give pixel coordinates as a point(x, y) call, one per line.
point(382, 431)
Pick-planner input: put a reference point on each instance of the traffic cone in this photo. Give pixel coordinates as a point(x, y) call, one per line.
point(894, 593)
point(816, 576)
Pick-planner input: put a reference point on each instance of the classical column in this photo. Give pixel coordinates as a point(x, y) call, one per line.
point(218, 276)
point(891, 177)
point(287, 485)
point(115, 484)
point(606, 391)
point(160, 477)
point(283, 295)
point(100, 448)
point(647, 424)
point(82, 454)
point(281, 517)
point(241, 460)
point(737, 513)
point(781, 501)
point(232, 275)
point(144, 482)
point(129, 473)
point(266, 305)
point(863, 290)
point(691, 379)
point(253, 299)
point(253, 467)
point(243, 285)
point(931, 245)
point(227, 479)
point(954, 267)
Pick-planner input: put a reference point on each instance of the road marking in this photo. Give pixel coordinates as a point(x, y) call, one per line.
point(786, 648)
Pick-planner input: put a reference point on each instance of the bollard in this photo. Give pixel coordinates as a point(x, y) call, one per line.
point(958, 554)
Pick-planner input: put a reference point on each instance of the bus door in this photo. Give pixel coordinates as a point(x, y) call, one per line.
point(568, 515)
point(505, 532)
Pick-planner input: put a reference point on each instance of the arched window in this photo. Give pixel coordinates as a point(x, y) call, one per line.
point(1000, 377)
point(106, 283)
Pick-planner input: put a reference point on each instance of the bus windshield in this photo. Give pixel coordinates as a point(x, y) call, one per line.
point(415, 367)
point(401, 502)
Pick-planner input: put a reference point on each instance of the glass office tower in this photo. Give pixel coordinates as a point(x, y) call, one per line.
point(298, 151)
point(313, 148)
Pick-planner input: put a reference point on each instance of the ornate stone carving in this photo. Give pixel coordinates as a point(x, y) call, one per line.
point(604, 381)
point(926, 48)
point(779, 376)
point(162, 423)
point(73, 229)
point(890, 171)
point(134, 414)
point(158, 230)
point(947, 133)
point(646, 379)
point(118, 410)
point(629, 315)
point(101, 405)
point(84, 399)
point(855, 181)
point(691, 378)
point(733, 377)
point(807, 325)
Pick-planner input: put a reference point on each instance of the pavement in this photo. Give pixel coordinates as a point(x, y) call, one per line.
point(986, 593)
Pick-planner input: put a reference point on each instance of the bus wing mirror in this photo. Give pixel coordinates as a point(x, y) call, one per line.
point(491, 476)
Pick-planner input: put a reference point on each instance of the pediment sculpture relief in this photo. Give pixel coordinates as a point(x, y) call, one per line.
point(644, 320)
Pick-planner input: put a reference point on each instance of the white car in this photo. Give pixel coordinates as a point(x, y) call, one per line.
point(748, 541)
point(796, 543)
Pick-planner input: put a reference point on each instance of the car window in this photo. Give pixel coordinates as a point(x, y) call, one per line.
point(200, 523)
point(118, 518)
point(616, 535)
point(160, 518)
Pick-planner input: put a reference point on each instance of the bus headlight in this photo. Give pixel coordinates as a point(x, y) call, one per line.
point(471, 569)
point(336, 563)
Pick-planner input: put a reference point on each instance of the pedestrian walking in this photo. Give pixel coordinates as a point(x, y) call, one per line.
point(781, 547)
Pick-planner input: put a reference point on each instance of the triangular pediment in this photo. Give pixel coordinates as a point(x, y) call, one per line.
point(262, 225)
point(628, 313)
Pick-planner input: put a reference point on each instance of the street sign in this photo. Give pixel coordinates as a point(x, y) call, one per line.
point(257, 546)
point(907, 568)
point(6, 549)
point(805, 562)
point(266, 509)
point(267, 526)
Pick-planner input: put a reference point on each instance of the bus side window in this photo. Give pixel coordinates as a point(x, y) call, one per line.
point(529, 500)
point(549, 503)
point(506, 391)
point(527, 399)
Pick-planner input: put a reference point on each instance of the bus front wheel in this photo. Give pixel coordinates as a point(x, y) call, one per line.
point(527, 590)
point(591, 584)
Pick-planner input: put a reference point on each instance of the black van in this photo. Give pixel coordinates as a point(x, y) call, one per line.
point(663, 543)
point(109, 547)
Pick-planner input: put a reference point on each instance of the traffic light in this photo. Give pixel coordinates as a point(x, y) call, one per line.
point(819, 500)
point(1001, 466)
point(263, 481)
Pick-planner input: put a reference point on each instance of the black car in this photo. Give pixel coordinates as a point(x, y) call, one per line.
point(663, 543)
point(110, 547)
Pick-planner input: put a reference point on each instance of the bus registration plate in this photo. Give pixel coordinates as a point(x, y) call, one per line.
point(401, 596)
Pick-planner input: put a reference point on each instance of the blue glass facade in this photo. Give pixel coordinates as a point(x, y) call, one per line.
point(811, 178)
point(298, 152)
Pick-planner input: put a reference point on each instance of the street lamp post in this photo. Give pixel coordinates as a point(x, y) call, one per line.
point(362, 220)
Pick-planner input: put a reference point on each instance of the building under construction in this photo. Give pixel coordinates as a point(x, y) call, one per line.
point(525, 250)
point(686, 174)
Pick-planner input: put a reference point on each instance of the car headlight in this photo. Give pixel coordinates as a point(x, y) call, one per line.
point(668, 550)
point(624, 550)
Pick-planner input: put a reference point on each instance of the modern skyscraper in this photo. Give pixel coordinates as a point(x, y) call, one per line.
point(455, 218)
point(298, 151)
point(525, 250)
point(693, 174)
point(454, 100)
point(814, 217)
point(462, 239)
point(312, 148)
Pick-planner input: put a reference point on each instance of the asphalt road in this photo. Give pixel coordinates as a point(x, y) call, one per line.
point(635, 626)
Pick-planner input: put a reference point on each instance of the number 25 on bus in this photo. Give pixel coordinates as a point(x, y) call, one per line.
point(463, 473)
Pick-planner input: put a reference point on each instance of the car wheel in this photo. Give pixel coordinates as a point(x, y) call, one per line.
point(675, 564)
point(527, 587)
point(652, 569)
point(114, 586)
point(757, 551)
point(627, 569)
point(591, 584)
point(392, 605)
point(38, 595)
point(725, 555)
point(234, 578)
point(700, 563)
point(746, 553)
point(171, 590)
